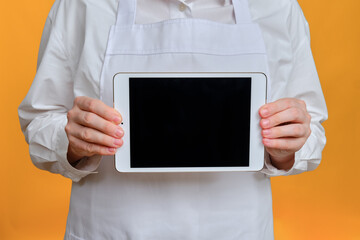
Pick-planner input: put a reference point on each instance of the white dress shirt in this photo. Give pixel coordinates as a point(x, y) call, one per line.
point(71, 55)
point(72, 52)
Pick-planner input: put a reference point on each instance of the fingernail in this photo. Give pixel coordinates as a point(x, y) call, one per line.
point(119, 133)
point(117, 119)
point(112, 150)
point(264, 112)
point(117, 142)
point(265, 123)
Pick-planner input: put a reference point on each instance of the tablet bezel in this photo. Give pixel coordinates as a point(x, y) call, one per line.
point(258, 98)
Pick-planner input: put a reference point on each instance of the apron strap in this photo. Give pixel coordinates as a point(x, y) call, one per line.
point(127, 12)
point(241, 11)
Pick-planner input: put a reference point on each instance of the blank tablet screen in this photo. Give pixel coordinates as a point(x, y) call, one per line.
point(189, 122)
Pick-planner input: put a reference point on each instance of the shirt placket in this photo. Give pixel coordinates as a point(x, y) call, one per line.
point(180, 8)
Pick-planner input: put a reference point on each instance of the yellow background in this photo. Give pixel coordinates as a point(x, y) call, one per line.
point(323, 204)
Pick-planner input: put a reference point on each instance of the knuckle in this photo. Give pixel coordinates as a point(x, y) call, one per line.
point(296, 113)
point(70, 114)
point(77, 100)
point(67, 128)
point(89, 147)
point(302, 103)
point(74, 144)
point(86, 135)
point(308, 116)
point(92, 105)
point(71, 140)
point(288, 102)
point(87, 118)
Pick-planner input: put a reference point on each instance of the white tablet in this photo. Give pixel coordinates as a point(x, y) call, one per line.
point(190, 122)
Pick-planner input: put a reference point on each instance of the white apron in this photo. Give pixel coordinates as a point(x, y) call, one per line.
point(175, 206)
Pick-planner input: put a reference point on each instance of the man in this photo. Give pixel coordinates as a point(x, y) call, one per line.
point(69, 124)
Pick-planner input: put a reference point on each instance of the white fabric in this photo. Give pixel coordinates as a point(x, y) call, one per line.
point(110, 205)
point(158, 10)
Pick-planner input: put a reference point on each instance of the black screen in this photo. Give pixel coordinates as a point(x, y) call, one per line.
point(189, 122)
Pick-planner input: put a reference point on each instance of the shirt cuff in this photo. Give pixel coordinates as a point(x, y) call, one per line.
point(306, 159)
point(84, 167)
point(271, 171)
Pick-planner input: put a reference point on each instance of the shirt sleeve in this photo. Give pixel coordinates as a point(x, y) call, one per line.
point(303, 83)
point(43, 112)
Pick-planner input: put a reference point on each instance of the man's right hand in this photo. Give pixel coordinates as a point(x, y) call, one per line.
point(92, 129)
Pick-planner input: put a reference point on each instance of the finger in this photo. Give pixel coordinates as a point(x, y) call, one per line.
point(290, 130)
point(98, 107)
point(89, 149)
point(93, 136)
point(280, 105)
point(291, 115)
point(286, 144)
point(94, 121)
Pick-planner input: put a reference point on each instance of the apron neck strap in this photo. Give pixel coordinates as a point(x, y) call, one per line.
point(241, 11)
point(127, 12)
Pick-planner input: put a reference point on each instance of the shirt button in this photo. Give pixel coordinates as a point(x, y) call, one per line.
point(182, 7)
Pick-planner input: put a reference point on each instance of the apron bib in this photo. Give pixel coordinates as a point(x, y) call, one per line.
point(143, 206)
